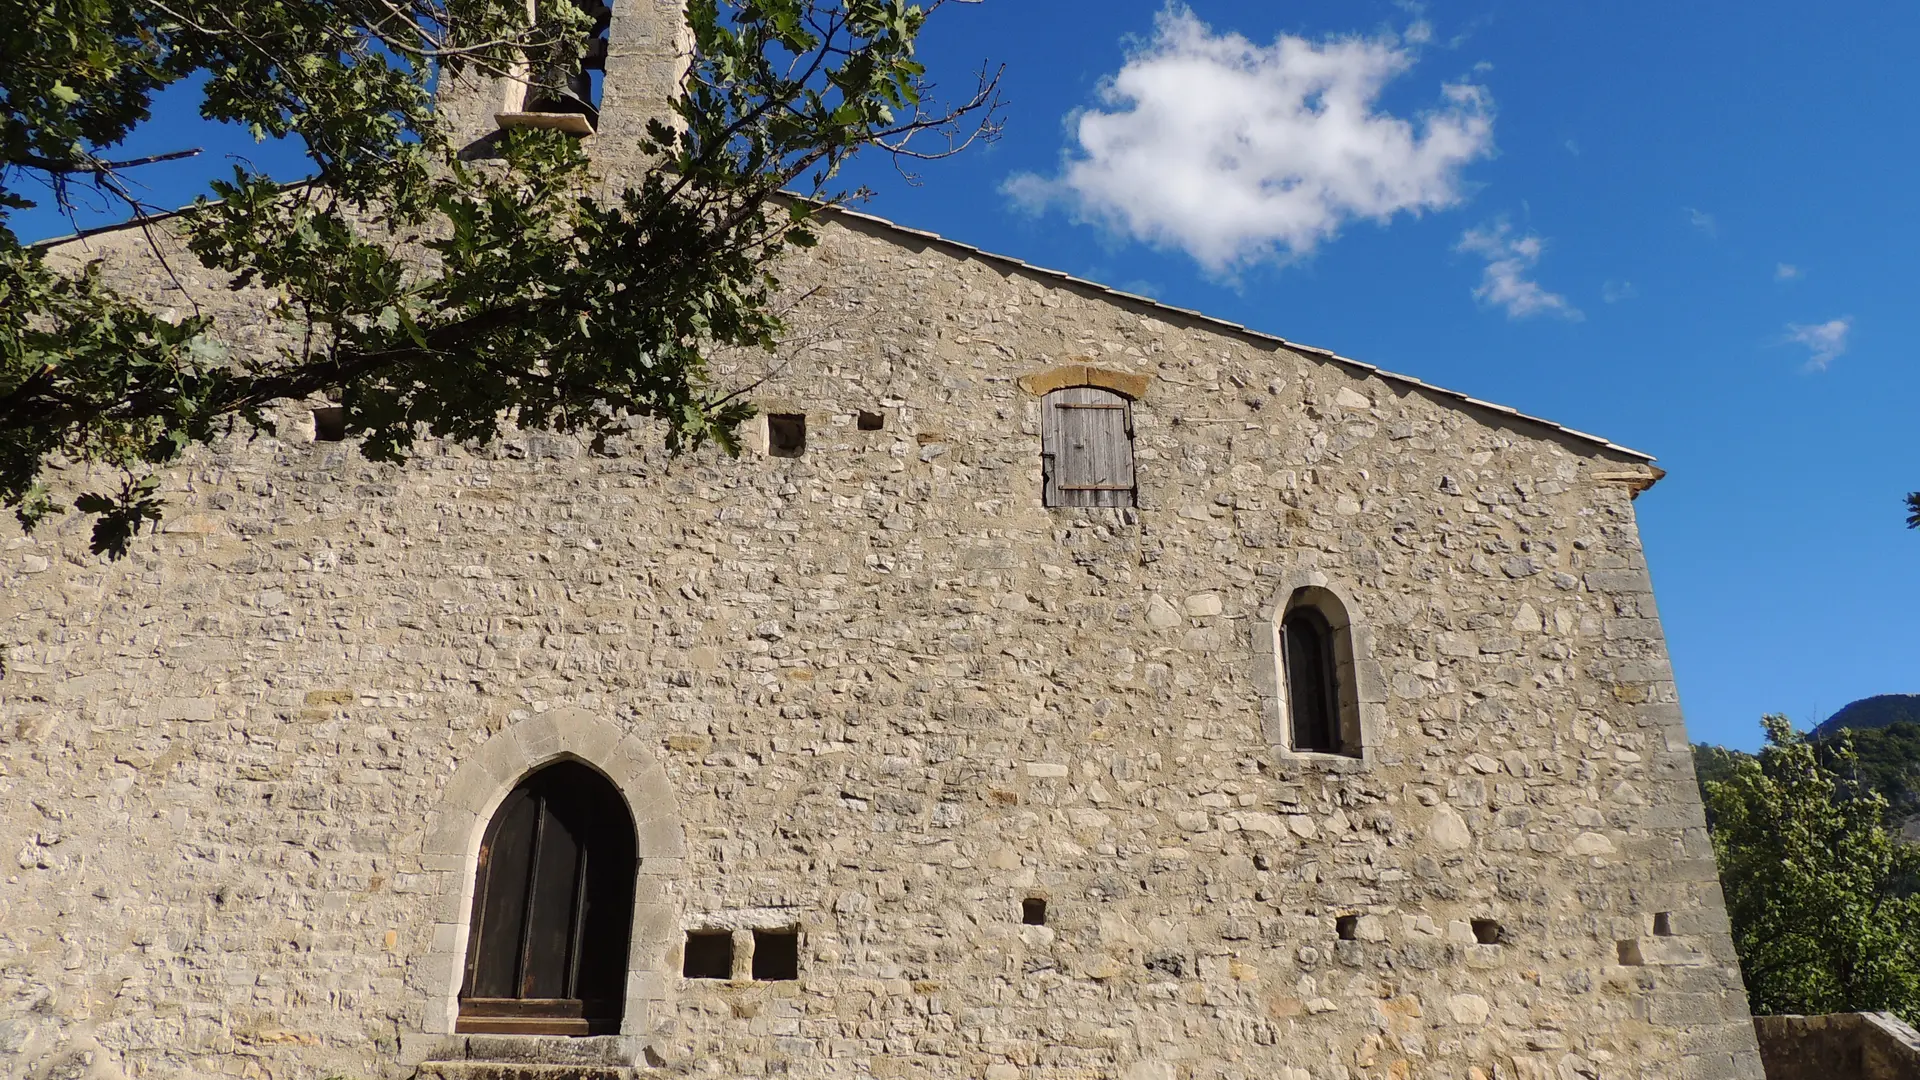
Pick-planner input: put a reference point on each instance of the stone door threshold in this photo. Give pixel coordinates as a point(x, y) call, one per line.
point(526, 1057)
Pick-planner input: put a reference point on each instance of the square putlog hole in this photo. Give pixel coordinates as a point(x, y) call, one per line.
point(872, 421)
point(709, 955)
point(1630, 953)
point(776, 955)
point(786, 434)
point(1489, 932)
point(1347, 927)
point(330, 424)
point(1033, 911)
point(1663, 924)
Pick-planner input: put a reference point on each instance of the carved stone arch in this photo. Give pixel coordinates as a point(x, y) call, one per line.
point(1125, 383)
point(1364, 719)
point(451, 850)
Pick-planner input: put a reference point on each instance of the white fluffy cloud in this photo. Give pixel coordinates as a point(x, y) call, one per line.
point(1508, 280)
point(1236, 152)
point(1614, 292)
point(1826, 341)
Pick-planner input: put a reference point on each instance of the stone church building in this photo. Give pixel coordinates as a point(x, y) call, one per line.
point(1063, 686)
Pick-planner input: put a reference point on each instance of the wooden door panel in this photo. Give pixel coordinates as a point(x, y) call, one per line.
point(500, 898)
point(547, 968)
point(553, 908)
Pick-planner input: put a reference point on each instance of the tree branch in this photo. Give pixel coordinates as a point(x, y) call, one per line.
point(88, 164)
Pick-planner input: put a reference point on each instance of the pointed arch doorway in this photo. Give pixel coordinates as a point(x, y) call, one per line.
point(552, 909)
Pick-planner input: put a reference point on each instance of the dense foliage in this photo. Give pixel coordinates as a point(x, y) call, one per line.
point(1888, 761)
point(1885, 759)
point(544, 304)
point(1825, 901)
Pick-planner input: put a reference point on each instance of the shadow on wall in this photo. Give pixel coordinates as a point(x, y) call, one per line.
point(1842, 1046)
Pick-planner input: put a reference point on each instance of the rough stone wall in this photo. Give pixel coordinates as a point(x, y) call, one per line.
point(892, 696)
point(1843, 1046)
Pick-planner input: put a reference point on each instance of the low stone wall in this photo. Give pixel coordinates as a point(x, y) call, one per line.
point(1843, 1046)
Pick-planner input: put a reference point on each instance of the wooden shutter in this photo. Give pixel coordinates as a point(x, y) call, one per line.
point(1087, 446)
point(552, 910)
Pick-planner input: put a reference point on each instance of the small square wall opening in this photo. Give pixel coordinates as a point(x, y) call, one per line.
point(1630, 955)
point(1489, 932)
point(1348, 927)
point(872, 421)
point(1033, 911)
point(1663, 924)
point(776, 955)
point(709, 955)
point(786, 434)
point(330, 424)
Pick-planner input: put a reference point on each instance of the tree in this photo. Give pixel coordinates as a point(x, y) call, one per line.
point(1826, 915)
point(525, 314)
point(1884, 759)
point(1913, 510)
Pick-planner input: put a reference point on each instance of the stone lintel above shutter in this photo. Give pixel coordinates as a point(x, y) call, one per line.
point(1042, 383)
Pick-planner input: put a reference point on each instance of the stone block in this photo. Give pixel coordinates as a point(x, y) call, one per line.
point(660, 838)
point(1618, 581)
point(193, 710)
point(450, 833)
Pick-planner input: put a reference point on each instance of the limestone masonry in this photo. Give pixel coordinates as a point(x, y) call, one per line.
point(878, 695)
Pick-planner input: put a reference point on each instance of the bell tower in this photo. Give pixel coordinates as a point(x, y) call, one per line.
point(634, 63)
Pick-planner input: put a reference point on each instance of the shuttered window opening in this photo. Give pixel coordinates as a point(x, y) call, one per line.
point(1086, 447)
point(573, 87)
point(552, 910)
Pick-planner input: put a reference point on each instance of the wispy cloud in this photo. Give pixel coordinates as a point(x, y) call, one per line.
point(1825, 341)
point(1508, 279)
point(1703, 221)
point(1614, 292)
point(1788, 272)
point(1238, 153)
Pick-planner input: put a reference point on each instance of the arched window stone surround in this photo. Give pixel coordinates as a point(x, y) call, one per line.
point(1369, 684)
point(451, 851)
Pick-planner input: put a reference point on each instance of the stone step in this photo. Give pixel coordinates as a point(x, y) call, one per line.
point(520, 1070)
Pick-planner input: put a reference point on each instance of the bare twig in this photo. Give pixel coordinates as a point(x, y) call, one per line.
point(88, 164)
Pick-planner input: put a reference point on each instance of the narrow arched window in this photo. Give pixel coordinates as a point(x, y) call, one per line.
point(1086, 447)
point(1313, 688)
point(1320, 707)
point(552, 910)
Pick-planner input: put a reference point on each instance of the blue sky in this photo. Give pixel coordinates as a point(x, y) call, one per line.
point(1688, 228)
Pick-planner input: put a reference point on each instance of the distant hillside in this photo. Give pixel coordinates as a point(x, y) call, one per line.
point(1873, 712)
point(1889, 759)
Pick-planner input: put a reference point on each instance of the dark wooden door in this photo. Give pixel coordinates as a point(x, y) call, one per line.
point(1087, 442)
point(552, 909)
